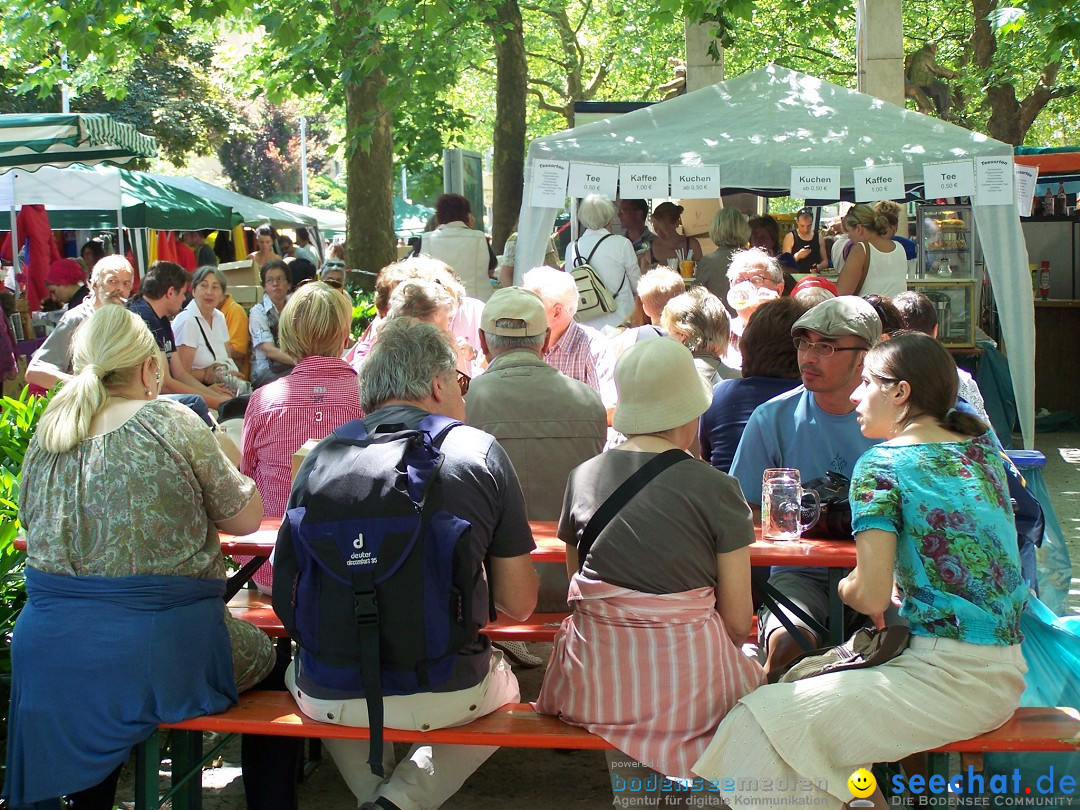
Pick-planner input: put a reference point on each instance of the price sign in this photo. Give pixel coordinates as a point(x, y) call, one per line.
point(952, 179)
point(643, 181)
point(879, 183)
point(815, 182)
point(593, 178)
point(695, 182)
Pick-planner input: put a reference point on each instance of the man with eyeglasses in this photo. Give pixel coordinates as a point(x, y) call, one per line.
point(754, 278)
point(814, 429)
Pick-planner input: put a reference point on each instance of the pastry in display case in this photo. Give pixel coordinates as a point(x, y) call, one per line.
point(954, 301)
point(946, 239)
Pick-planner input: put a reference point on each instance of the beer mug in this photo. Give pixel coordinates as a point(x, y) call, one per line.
point(782, 505)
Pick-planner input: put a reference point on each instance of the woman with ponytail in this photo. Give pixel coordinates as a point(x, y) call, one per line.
point(876, 263)
point(930, 510)
point(124, 628)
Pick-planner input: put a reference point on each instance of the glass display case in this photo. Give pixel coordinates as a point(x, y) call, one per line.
point(957, 312)
point(946, 239)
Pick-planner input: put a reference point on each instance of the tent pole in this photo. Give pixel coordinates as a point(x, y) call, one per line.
point(14, 244)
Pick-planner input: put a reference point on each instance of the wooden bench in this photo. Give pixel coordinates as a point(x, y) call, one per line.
point(253, 606)
point(513, 726)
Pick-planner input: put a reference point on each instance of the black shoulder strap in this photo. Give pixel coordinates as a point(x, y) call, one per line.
point(594, 247)
point(621, 496)
point(202, 332)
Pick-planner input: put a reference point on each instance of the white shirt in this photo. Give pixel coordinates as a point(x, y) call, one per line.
point(616, 263)
point(186, 332)
point(466, 251)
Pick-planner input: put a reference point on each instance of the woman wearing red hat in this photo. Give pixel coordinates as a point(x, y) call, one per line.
point(66, 282)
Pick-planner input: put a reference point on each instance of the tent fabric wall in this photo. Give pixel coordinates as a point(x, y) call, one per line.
point(757, 126)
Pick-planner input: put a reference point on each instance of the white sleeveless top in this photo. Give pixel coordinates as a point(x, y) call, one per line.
point(887, 274)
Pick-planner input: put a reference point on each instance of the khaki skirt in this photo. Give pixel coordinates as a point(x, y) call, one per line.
point(797, 743)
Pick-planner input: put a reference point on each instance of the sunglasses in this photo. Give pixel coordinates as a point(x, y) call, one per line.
point(463, 381)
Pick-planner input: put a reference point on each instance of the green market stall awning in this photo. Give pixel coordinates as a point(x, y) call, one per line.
point(145, 202)
point(252, 212)
point(410, 218)
point(62, 139)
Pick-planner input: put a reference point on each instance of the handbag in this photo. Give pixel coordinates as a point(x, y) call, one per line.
point(594, 298)
point(867, 647)
point(835, 520)
point(621, 496)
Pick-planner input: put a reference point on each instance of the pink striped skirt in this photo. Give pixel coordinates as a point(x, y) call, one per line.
point(653, 674)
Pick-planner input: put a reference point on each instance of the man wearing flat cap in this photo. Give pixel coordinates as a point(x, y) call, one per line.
point(814, 429)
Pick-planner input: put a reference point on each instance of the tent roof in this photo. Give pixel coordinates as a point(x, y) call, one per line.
point(62, 139)
point(146, 203)
point(757, 126)
point(327, 220)
point(252, 212)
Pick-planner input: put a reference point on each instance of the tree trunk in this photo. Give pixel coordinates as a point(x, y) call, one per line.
point(511, 86)
point(369, 200)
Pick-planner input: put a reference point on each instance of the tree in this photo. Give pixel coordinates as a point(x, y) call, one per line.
point(512, 76)
point(169, 93)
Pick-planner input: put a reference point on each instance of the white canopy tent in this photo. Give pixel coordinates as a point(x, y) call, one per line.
point(758, 126)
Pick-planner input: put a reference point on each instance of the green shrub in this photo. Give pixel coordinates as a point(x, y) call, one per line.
point(363, 312)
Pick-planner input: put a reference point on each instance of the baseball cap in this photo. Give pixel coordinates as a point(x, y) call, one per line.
point(518, 304)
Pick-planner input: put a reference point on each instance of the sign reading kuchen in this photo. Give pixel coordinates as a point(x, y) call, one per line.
point(593, 178)
point(695, 182)
point(815, 182)
point(951, 179)
point(643, 181)
point(549, 183)
point(875, 183)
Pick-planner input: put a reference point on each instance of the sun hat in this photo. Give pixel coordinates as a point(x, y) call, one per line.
point(64, 272)
point(659, 388)
point(844, 315)
point(518, 304)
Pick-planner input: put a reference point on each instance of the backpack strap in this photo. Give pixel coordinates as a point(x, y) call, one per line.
point(577, 250)
point(353, 431)
point(621, 496)
point(436, 426)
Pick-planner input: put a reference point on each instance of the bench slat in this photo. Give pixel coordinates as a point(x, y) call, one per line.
point(1033, 728)
point(515, 725)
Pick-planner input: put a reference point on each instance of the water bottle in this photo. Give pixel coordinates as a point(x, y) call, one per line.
point(1044, 281)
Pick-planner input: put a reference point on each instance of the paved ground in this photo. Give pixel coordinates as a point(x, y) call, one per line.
point(544, 780)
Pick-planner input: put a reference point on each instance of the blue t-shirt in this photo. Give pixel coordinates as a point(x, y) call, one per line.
point(733, 401)
point(160, 328)
point(956, 556)
point(792, 431)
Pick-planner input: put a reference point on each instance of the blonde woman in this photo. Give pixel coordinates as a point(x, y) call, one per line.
point(876, 263)
point(123, 495)
point(320, 394)
point(730, 230)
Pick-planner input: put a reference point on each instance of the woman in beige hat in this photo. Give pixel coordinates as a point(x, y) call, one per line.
point(661, 599)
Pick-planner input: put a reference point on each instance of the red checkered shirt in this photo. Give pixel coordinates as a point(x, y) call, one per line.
point(583, 353)
point(320, 394)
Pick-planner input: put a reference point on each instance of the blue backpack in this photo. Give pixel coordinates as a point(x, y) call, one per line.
point(372, 577)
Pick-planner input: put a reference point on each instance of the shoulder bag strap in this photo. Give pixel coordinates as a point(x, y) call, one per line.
point(621, 496)
point(202, 332)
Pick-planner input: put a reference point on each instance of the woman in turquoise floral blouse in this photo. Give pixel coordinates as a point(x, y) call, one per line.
point(931, 513)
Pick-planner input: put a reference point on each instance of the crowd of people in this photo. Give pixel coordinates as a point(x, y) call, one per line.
point(645, 433)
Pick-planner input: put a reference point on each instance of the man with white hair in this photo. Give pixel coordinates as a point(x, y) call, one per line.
point(755, 277)
point(611, 256)
point(110, 283)
point(578, 351)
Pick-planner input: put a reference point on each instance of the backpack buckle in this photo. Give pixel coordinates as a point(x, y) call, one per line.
point(365, 607)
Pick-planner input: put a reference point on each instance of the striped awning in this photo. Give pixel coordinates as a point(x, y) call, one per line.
point(62, 139)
